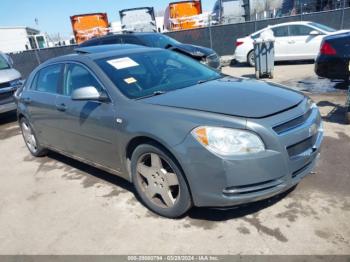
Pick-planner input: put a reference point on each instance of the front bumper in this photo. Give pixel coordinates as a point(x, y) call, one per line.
point(8, 107)
point(7, 102)
point(332, 67)
point(222, 182)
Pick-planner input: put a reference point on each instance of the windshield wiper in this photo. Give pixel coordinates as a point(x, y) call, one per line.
point(210, 79)
point(155, 93)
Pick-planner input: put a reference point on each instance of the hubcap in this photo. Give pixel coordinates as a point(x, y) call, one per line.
point(158, 180)
point(29, 137)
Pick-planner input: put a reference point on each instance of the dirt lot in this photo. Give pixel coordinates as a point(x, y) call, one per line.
point(55, 205)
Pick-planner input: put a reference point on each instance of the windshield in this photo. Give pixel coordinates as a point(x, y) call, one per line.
point(323, 27)
point(158, 40)
point(3, 63)
point(140, 75)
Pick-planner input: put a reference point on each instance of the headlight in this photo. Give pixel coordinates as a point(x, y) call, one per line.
point(16, 83)
point(227, 141)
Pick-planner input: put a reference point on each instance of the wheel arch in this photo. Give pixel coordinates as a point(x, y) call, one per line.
point(140, 140)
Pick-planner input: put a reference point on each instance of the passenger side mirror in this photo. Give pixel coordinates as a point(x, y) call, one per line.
point(89, 93)
point(314, 33)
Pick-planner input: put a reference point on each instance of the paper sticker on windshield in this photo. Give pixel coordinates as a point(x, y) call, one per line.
point(130, 80)
point(121, 63)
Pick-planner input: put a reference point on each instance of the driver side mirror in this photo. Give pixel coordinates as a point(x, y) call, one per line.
point(89, 93)
point(314, 33)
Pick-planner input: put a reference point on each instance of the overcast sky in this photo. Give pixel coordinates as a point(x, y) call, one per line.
point(53, 15)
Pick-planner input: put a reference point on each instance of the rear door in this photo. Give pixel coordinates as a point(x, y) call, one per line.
point(40, 100)
point(89, 125)
point(304, 45)
point(282, 42)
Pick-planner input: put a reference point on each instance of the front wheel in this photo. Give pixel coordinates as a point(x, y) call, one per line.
point(159, 181)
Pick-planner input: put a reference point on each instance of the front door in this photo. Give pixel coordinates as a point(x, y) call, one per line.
point(306, 46)
point(90, 125)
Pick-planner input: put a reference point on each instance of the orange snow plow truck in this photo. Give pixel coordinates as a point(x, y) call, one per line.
point(184, 15)
point(87, 26)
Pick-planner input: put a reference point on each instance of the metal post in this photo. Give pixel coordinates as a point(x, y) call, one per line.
point(37, 56)
point(301, 10)
point(342, 16)
point(210, 35)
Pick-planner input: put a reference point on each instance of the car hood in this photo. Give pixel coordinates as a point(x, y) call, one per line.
point(194, 50)
point(7, 75)
point(232, 96)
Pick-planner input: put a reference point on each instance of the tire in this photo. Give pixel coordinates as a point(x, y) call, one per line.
point(159, 181)
point(30, 139)
point(347, 117)
point(251, 59)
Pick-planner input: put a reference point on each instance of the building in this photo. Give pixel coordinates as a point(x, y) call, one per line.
point(21, 38)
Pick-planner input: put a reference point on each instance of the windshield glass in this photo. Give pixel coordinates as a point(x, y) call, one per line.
point(3, 63)
point(140, 75)
point(323, 27)
point(158, 40)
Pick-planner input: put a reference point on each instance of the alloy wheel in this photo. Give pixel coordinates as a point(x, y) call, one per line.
point(158, 180)
point(29, 137)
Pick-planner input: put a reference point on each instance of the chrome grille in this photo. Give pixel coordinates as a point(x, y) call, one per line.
point(302, 146)
point(279, 129)
point(5, 84)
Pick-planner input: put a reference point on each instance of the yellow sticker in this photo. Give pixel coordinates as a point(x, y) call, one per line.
point(130, 80)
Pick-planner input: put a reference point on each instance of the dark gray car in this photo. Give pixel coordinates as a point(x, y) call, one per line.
point(182, 133)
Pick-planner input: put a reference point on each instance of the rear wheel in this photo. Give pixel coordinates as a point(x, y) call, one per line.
point(159, 181)
point(30, 139)
point(251, 58)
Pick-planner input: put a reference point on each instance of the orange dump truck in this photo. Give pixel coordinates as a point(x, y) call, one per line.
point(184, 15)
point(87, 26)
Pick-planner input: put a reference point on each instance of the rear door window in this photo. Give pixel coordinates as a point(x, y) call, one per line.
point(299, 30)
point(48, 79)
point(281, 31)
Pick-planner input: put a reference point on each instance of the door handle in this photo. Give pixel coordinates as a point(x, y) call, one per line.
point(27, 100)
point(61, 107)
point(291, 42)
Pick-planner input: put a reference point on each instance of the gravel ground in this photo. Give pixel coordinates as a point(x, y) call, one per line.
point(55, 205)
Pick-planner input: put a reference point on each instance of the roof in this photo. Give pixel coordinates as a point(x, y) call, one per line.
point(98, 52)
point(20, 27)
point(104, 48)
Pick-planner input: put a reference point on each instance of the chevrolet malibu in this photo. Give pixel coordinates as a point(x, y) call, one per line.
point(181, 132)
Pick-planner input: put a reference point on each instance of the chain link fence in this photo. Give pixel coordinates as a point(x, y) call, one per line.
point(221, 38)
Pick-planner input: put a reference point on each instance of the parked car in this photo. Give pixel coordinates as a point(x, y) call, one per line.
point(141, 19)
point(10, 80)
point(293, 41)
point(333, 60)
point(181, 132)
point(202, 54)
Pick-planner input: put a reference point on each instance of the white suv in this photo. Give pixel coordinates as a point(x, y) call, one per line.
point(293, 41)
